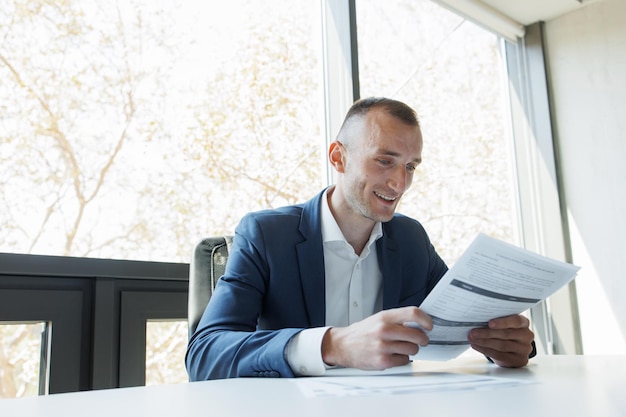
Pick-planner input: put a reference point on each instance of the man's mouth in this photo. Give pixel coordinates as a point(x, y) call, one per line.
point(385, 197)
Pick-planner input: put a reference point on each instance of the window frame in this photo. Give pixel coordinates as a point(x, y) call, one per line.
point(65, 304)
point(83, 298)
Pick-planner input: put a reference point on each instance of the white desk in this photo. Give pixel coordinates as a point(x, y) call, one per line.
point(563, 386)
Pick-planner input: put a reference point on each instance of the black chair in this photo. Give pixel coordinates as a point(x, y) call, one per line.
point(207, 265)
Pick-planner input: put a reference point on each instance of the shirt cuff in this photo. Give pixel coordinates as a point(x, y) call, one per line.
point(304, 352)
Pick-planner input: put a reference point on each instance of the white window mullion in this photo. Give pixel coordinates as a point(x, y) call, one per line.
point(337, 69)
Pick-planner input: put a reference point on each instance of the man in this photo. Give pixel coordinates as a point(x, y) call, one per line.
point(333, 281)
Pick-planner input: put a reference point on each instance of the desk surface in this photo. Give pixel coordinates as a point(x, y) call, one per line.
point(561, 386)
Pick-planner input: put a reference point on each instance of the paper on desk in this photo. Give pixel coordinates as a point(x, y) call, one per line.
point(491, 279)
point(411, 383)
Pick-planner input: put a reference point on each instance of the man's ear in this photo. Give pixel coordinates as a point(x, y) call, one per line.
point(336, 156)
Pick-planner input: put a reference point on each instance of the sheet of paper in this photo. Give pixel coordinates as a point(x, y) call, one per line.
point(491, 279)
point(399, 384)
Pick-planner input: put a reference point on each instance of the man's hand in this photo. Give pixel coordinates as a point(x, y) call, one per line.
point(507, 341)
point(380, 341)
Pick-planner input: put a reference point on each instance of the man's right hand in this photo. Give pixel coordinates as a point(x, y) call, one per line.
point(378, 342)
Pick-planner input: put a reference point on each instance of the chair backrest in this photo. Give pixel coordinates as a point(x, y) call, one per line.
point(207, 265)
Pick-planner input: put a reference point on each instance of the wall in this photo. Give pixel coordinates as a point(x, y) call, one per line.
point(586, 59)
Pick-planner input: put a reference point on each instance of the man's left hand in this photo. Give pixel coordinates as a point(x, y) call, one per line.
point(507, 341)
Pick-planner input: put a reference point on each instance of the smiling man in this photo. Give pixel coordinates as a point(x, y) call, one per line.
point(332, 281)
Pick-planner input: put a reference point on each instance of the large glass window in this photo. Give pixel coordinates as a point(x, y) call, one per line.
point(451, 71)
point(132, 129)
point(23, 354)
point(166, 343)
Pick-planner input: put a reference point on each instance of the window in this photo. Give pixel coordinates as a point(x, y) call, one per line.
point(451, 71)
point(153, 329)
point(483, 124)
point(45, 335)
point(23, 354)
point(131, 130)
point(166, 343)
point(152, 124)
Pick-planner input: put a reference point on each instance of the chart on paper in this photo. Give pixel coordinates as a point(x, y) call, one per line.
point(491, 279)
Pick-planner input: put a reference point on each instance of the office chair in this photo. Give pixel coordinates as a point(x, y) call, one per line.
point(207, 265)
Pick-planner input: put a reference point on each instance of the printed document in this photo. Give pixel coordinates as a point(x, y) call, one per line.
point(399, 384)
point(491, 279)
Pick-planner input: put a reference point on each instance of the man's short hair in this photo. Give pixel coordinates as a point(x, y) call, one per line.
point(394, 108)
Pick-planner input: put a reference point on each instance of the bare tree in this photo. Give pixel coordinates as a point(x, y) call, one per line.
point(74, 84)
point(106, 153)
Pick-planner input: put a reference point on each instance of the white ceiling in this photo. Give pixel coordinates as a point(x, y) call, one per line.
point(531, 11)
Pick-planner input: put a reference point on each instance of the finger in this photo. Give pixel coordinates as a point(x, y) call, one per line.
point(521, 335)
point(405, 333)
point(403, 348)
point(391, 361)
point(517, 344)
point(509, 322)
point(505, 359)
point(504, 345)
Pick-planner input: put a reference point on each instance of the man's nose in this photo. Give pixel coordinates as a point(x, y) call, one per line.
point(399, 180)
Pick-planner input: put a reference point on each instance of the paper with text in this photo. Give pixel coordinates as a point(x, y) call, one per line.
point(491, 279)
point(411, 383)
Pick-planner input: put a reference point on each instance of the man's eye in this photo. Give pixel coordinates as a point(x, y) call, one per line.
point(384, 161)
point(411, 168)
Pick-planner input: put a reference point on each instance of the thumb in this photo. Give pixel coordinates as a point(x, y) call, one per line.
point(411, 316)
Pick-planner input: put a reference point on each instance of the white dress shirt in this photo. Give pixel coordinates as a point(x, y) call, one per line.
point(353, 292)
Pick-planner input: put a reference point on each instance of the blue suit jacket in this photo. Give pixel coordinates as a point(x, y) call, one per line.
point(274, 287)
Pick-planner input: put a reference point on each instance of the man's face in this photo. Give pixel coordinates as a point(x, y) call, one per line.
point(380, 160)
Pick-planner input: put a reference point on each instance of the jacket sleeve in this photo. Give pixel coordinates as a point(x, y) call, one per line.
point(227, 342)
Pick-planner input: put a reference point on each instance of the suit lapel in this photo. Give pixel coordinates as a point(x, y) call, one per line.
point(313, 286)
point(390, 268)
point(311, 262)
